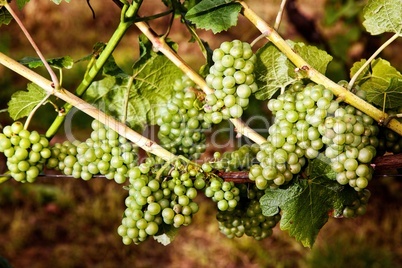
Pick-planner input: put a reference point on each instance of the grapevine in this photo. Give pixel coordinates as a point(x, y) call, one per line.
point(323, 139)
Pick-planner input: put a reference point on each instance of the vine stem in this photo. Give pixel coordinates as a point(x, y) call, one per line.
point(143, 142)
point(367, 63)
point(316, 76)
point(280, 15)
point(163, 47)
point(56, 84)
point(125, 23)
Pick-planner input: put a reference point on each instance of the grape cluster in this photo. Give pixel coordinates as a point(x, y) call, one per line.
point(26, 151)
point(359, 206)
point(294, 136)
point(181, 124)
point(247, 217)
point(159, 200)
point(224, 193)
point(389, 140)
point(308, 122)
point(350, 139)
point(105, 152)
point(232, 79)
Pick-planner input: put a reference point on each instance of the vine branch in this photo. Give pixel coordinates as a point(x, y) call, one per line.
point(143, 142)
point(316, 76)
point(125, 23)
point(367, 63)
point(56, 84)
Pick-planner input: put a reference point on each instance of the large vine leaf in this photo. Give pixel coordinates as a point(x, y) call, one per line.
point(61, 62)
point(275, 71)
point(381, 81)
point(23, 102)
point(383, 16)
point(272, 71)
point(306, 204)
point(215, 15)
point(5, 16)
point(154, 76)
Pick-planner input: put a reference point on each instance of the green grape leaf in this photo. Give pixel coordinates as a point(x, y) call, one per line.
point(154, 76)
point(62, 62)
point(23, 102)
point(272, 71)
point(215, 15)
point(389, 98)
point(376, 80)
point(5, 17)
point(321, 167)
point(317, 58)
point(21, 3)
point(270, 204)
point(58, 2)
point(383, 16)
point(306, 205)
point(168, 236)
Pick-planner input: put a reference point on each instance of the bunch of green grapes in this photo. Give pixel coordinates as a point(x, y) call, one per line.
point(159, 200)
point(181, 124)
point(350, 137)
point(225, 194)
point(294, 135)
point(389, 140)
point(26, 151)
point(105, 152)
point(232, 79)
point(359, 206)
point(247, 217)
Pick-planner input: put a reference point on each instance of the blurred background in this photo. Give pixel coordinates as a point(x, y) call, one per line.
point(72, 223)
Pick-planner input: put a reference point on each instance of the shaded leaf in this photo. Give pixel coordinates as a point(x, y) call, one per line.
point(23, 102)
point(215, 15)
point(61, 62)
point(306, 204)
point(383, 16)
point(389, 98)
point(321, 167)
point(272, 71)
point(275, 71)
point(21, 3)
point(376, 81)
point(5, 16)
point(154, 76)
point(317, 58)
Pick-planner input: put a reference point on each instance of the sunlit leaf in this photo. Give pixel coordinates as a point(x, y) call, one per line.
point(23, 102)
point(215, 15)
